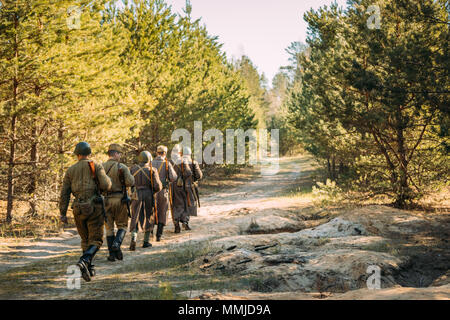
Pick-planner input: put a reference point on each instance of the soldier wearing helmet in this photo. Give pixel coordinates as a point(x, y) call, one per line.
point(147, 183)
point(83, 180)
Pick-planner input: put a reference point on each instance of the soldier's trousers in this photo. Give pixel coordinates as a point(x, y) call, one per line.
point(89, 221)
point(116, 213)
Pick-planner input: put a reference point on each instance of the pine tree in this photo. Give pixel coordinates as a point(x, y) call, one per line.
point(383, 91)
point(50, 94)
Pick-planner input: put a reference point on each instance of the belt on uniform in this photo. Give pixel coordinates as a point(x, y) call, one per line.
point(143, 188)
point(81, 200)
point(113, 193)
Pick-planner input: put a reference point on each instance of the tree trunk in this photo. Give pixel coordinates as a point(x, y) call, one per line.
point(329, 167)
point(12, 147)
point(341, 168)
point(333, 169)
point(389, 162)
point(403, 191)
point(61, 155)
point(10, 179)
point(33, 174)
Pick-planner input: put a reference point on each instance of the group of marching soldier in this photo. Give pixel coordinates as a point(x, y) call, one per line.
point(102, 200)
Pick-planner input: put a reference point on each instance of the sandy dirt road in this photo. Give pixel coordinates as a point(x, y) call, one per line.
point(220, 214)
point(212, 215)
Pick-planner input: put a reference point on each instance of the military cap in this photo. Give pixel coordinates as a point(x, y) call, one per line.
point(82, 149)
point(161, 149)
point(115, 147)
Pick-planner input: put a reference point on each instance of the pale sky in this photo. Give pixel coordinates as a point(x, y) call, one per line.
point(260, 29)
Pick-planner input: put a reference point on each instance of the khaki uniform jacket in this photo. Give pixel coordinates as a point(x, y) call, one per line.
point(116, 210)
point(79, 182)
point(112, 170)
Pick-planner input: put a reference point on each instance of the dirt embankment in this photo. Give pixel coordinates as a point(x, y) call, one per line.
point(335, 257)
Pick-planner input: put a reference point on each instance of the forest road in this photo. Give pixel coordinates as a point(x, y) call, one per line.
point(212, 217)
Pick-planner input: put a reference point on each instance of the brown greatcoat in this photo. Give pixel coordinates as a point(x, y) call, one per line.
point(184, 199)
point(142, 203)
point(167, 175)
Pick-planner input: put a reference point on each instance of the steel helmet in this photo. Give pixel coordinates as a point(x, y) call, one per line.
point(145, 157)
point(82, 149)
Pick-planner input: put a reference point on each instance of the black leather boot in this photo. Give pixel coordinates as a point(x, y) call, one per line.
point(110, 240)
point(133, 245)
point(117, 243)
point(186, 226)
point(146, 245)
point(159, 231)
point(85, 263)
point(177, 227)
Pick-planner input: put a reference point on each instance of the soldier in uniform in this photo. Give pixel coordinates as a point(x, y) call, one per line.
point(185, 195)
point(85, 180)
point(166, 175)
point(147, 183)
point(175, 158)
point(116, 209)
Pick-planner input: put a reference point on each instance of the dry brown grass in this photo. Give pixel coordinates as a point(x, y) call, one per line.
point(438, 202)
point(25, 225)
point(223, 178)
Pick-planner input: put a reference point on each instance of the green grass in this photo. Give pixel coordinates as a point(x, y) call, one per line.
point(298, 192)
